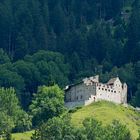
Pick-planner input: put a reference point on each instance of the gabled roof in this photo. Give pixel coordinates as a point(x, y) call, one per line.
point(112, 80)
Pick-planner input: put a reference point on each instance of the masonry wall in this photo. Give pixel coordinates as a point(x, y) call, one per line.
point(80, 92)
point(85, 94)
point(109, 94)
point(74, 104)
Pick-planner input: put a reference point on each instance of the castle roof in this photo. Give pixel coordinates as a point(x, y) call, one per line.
point(112, 80)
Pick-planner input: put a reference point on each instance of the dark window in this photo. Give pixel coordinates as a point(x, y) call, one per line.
point(81, 96)
point(77, 97)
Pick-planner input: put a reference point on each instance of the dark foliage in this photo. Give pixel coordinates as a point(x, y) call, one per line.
point(49, 41)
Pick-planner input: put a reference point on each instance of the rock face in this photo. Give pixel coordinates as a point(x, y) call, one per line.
point(91, 90)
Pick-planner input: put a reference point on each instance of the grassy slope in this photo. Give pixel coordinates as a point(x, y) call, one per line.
point(22, 136)
point(106, 112)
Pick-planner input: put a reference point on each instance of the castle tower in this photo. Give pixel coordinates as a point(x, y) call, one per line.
point(124, 93)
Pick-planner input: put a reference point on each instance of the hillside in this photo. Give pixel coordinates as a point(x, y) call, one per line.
point(46, 45)
point(106, 112)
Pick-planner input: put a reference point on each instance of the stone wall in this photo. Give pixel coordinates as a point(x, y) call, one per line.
point(74, 104)
point(87, 92)
point(80, 92)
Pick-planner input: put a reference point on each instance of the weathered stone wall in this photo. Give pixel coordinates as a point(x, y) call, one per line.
point(74, 104)
point(80, 92)
point(124, 93)
point(110, 92)
point(87, 92)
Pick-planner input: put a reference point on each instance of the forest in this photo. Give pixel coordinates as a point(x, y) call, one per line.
point(48, 42)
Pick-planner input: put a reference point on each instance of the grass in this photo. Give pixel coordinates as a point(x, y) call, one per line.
point(106, 112)
point(22, 136)
point(103, 111)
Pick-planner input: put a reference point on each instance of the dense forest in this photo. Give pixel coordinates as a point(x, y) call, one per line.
point(47, 42)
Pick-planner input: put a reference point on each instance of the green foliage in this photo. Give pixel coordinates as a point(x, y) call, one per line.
point(12, 116)
point(51, 66)
point(23, 122)
point(11, 79)
point(41, 68)
point(8, 101)
point(3, 57)
point(6, 123)
point(137, 97)
point(117, 131)
point(114, 131)
point(48, 42)
point(55, 129)
point(29, 72)
point(93, 129)
point(60, 128)
point(47, 103)
point(139, 136)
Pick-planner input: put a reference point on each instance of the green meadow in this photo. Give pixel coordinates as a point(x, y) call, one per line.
point(106, 112)
point(22, 136)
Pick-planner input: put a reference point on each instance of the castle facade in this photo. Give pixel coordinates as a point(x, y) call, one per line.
point(91, 90)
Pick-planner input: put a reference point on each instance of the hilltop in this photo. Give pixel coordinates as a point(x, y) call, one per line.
point(102, 111)
point(106, 112)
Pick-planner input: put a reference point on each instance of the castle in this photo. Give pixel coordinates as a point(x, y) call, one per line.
point(91, 90)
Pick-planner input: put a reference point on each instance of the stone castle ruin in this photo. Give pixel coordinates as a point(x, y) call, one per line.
point(91, 90)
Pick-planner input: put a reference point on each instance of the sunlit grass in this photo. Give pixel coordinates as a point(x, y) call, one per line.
point(106, 112)
point(22, 136)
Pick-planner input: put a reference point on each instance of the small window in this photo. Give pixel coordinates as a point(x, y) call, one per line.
point(109, 90)
point(77, 97)
point(105, 89)
point(81, 96)
point(114, 91)
point(102, 88)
